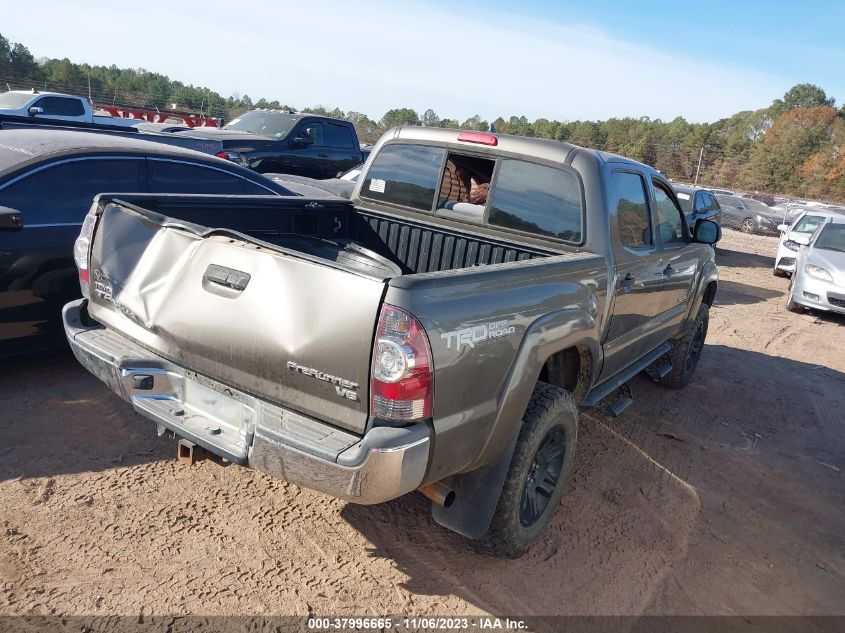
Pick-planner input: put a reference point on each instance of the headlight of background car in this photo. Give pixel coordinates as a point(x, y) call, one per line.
point(818, 272)
point(762, 220)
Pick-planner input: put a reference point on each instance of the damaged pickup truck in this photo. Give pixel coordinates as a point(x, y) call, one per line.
point(439, 332)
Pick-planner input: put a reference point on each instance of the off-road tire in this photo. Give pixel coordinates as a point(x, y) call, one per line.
point(777, 272)
point(683, 366)
point(550, 411)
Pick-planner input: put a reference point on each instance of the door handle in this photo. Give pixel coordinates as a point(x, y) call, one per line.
point(627, 283)
point(323, 155)
point(667, 272)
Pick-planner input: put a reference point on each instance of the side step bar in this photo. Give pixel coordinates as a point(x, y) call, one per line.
point(604, 389)
point(625, 401)
point(656, 372)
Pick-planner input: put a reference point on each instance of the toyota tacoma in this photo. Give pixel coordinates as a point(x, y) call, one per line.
point(437, 332)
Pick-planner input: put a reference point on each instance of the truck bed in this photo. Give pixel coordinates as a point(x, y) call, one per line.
point(239, 288)
point(415, 246)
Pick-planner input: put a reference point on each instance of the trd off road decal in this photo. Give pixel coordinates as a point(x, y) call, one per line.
point(477, 334)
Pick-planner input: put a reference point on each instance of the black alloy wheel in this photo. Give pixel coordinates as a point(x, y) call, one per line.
point(543, 476)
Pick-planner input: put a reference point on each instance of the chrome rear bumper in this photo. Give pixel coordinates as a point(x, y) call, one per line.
point(383, 464)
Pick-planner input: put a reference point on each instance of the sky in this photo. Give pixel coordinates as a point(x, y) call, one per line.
point(562, 60)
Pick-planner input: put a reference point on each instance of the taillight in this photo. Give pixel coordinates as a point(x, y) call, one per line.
point(223, 155)
point(482, 138)
point(81, 250)
point(401, 378)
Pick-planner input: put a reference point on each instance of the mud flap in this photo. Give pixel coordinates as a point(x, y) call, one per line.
point(476, 496)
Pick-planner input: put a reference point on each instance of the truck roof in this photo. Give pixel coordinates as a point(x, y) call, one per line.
point(44, 93)
point(22, 146)
point(547, 149)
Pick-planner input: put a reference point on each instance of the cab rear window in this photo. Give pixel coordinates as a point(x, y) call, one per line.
point(537, 199)
point(406, 175)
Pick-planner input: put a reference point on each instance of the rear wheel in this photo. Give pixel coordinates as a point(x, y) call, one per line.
point(747, 225)
point(777, 272)
point(537, 473)
point(686, 350)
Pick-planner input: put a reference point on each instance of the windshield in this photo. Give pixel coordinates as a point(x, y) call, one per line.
point(809, 223)
point(14, 99)
point(831, 238)
point(272, 124)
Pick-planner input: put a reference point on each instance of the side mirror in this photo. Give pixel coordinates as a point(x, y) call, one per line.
point(11, 220)
point(301, 141)
point(783, 228)
point(35, 110)
point(802, 239)
point(707, 232)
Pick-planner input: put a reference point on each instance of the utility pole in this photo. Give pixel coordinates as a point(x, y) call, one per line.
point(698, 169)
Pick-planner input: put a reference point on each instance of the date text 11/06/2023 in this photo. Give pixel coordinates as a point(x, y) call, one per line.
point(412, 623)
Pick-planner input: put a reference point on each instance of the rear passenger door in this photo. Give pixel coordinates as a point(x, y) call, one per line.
point(638, 273)
point(345, 153)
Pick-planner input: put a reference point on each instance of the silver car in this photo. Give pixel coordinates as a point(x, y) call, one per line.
point(819, 278)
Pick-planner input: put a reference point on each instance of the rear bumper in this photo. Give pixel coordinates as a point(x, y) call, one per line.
point(383, 464)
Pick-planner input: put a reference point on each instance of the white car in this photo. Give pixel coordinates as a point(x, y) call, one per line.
point(35, 106)
point(805, 224)
point(819, 278)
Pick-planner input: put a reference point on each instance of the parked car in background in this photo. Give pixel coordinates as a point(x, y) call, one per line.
point(806, 224)
point(48, 179)
point(698, 203)
point(205, 145)
point(281, 142)
point(749, 216)
point(819, 278)
point(54, 106)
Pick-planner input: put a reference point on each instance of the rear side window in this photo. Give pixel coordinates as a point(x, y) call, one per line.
point(340, 136)
point(628, 198)
point(173, 177)
point(62, 194)
point(406, 175)
point(537, 199)
point(60, 106)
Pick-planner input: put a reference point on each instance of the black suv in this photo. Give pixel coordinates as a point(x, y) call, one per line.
point(273, 141)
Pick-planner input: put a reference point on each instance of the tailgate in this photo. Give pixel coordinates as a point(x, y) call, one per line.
point(285, 327)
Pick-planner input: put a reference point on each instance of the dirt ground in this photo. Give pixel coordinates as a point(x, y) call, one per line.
point(723, 498)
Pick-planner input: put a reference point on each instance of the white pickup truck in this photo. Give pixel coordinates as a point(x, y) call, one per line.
point(55, 106)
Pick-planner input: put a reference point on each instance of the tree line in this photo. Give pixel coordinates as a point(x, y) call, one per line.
point(792, 147)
